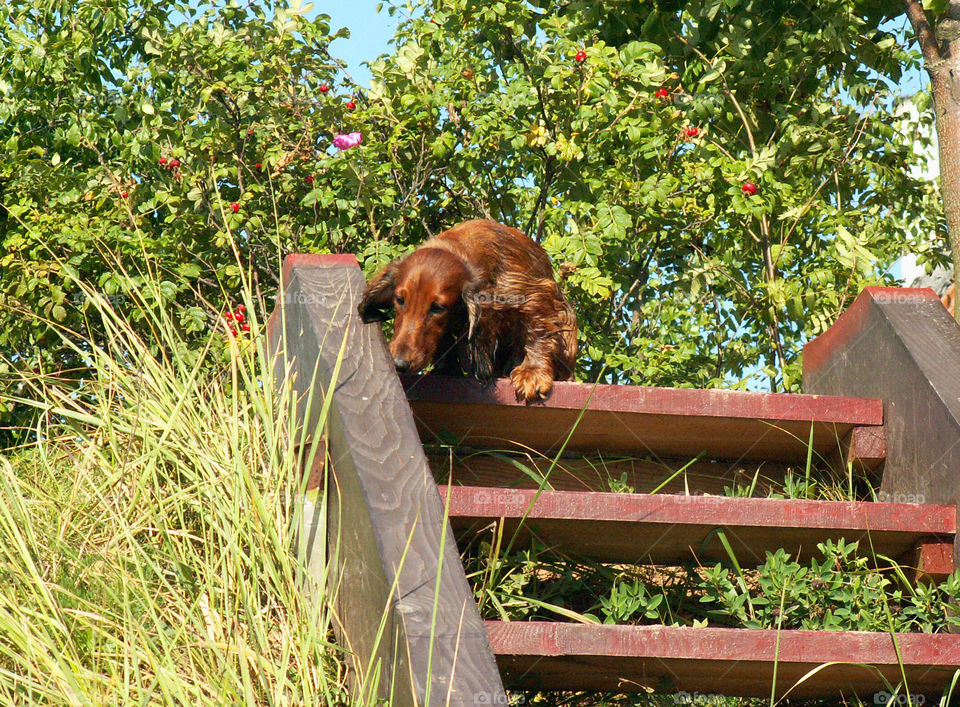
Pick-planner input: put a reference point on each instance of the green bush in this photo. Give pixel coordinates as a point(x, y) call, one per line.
point(621, 139)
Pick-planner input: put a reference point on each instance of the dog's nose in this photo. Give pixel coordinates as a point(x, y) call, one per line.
point(402, 364)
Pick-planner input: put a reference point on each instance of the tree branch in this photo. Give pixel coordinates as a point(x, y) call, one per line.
point(925, 34)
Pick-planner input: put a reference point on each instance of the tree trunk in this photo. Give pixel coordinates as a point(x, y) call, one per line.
point(941, 59)
point(945, 86)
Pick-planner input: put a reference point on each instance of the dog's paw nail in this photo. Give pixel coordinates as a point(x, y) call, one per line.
point(531, 384)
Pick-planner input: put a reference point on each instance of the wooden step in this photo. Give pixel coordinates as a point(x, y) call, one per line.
point(672, 660)
point(670, 529)
point(658, 422)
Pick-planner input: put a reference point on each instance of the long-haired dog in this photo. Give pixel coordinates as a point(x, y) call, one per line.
point(478, 299)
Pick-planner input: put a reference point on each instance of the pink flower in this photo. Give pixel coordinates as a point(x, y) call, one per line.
point(345, 142)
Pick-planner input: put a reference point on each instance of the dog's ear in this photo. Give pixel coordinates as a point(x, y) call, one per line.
point(377, 299)
point(471, 298)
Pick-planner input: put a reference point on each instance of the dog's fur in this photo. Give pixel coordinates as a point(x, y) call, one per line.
point(478, 299)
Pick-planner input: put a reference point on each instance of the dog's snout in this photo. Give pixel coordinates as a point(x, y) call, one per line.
point(402, 364)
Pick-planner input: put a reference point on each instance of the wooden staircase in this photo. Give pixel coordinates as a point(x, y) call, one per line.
point(885, 405)
point(671, 529)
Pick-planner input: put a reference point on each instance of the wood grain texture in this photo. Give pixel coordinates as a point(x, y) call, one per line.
point(619, 419)
point(552, 656)
point(385, 516)
point(931, 560)
point(671, 529)
point(865, 448)
point(900, 345)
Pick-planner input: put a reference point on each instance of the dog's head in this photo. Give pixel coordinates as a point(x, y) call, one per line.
point(432, 293)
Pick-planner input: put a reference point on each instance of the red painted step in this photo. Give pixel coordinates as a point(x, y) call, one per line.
point(554, 656)
point(665, 528)
point(673, 422)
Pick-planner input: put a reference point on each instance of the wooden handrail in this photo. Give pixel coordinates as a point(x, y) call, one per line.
point(385, 519)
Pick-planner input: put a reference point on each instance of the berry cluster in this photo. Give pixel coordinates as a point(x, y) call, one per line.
point(236, 320)
point(172, 164)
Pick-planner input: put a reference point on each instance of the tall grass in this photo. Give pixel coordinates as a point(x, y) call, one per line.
point(148, 531)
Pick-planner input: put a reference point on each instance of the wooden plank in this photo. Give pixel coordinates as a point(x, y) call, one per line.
point(670, 529)
point(931, 560)
point(512, 469)
point(657, 422)
point(385, 517)
point(900, 345)
point(721, 661)
point(865, 448)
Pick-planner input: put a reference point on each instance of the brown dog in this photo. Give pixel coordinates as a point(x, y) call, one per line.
point(478, 299)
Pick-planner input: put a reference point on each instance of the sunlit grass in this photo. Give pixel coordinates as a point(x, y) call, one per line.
point(148, 534)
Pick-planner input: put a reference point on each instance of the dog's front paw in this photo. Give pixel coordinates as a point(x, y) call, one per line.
point(531, 383)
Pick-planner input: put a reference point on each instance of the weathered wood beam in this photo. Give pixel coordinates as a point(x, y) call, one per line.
point(403, 605)
point(728, 661)
point(664, 422)
point(671, 529)
point(900, 345)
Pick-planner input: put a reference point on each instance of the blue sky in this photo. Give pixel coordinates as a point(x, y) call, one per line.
point(370, 32)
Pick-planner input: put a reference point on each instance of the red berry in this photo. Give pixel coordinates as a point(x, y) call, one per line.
point(235, 206)
point(661, 93)
point(309, 179)
point(174, 163)
point(250, 131)
point(238, 316)
point(324, 87)
point(245, 327)
point(258, 165)
point(124, 194)
point(580, 56)
point(749, 188)
point(162, 160)
point(228, 316)
point(241, 308)
point(233, 332)
point(691, 132)
point(351, 105)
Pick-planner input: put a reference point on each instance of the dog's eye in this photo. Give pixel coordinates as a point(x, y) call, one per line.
point(437, 309)
point(399, 301)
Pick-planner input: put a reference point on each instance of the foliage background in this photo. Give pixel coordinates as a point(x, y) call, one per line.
point(482, 109)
